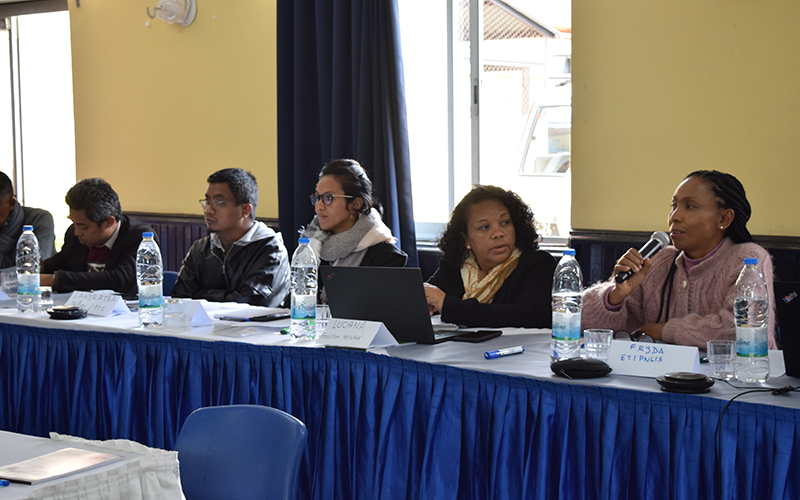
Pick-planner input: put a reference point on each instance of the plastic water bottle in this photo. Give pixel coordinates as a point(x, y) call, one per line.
point(304, 291)
point(149, 276)
point(751, 314)
point(567, 305)
point(27, 269)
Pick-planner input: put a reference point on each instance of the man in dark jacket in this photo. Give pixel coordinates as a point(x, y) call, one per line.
point(13, 216)
point(242, 260)
point(99, 251)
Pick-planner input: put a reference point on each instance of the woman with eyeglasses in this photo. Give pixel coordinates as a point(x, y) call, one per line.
point(684, 294)
point(348, 230)
point(492, 272)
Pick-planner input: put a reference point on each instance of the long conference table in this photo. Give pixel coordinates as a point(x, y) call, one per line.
point(408, 421)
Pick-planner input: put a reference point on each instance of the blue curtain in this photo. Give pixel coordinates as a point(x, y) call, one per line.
point(341, 95)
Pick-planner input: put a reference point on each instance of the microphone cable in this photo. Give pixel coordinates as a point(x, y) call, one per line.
point(776, 391)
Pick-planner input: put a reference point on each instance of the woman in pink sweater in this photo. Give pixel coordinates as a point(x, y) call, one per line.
point(685, 293)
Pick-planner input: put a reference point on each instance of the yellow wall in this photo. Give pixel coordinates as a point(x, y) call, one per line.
point(662, 88)
point(659, 89)
point(159, 108)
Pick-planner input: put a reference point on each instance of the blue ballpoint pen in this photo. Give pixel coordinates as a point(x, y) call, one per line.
point(508, 351)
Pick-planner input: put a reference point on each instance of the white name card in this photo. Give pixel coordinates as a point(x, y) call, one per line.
point(195, 310)
point(355, 333)
point(99, 304)
point(647, 359)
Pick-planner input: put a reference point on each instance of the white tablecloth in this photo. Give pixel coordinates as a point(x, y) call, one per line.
point(535, 362)
point(267, 333)
point(146, 473)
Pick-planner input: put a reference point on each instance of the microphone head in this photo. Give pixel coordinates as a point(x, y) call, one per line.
point(657, 241)
point(661, 237)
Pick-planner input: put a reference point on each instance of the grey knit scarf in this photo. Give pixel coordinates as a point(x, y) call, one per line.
point(339, 249)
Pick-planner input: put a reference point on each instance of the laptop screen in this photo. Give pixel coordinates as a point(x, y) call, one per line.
point(394, 296)
point(787, 309)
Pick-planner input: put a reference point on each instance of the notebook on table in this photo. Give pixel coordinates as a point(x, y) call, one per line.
point(787, 310)
point(394, 296)
point(56, 465)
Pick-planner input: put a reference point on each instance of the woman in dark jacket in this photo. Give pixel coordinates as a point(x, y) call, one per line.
point(491, 272)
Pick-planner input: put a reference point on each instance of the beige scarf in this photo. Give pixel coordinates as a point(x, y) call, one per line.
point(482, 285)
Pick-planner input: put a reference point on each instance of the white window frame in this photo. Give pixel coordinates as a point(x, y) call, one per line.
point(428, 232)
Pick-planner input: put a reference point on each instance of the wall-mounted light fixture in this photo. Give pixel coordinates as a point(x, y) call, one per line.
point(181, 12)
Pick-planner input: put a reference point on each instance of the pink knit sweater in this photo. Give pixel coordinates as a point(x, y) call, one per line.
point(702, 301)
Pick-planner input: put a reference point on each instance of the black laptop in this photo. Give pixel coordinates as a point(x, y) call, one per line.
point(787, 309)
point(392, 295)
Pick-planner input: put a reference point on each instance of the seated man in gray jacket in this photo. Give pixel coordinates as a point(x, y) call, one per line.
point(13, 216)
point(242, 260)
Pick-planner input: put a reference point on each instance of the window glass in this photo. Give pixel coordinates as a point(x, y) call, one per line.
point(524, 113)
point(424, 38)
point(6, 124)
point(48, 130)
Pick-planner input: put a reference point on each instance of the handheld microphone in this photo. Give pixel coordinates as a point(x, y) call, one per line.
point(658, 240)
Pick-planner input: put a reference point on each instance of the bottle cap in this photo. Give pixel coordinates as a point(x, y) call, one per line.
point(750, 261)
point(303, 240)
point(27, 228)
point(147, 235)
point(569, 251)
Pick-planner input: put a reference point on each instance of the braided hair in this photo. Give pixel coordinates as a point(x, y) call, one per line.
point(731, 195)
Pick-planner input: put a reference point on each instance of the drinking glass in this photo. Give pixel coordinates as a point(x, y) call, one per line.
point(175, 315)
point(598, 343)
point(8, 282)
point(42, 299)
point(323, 315)
point(721, 356)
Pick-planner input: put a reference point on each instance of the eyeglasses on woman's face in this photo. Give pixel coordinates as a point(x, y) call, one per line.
point(327, 198)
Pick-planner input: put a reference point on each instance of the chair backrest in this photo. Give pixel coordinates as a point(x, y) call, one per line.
point(170, 277)
point(240, 451)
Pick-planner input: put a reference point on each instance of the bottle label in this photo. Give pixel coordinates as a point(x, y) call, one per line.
point(304, 306)
point(751, 342)
point(27, 283)
point(566, 326)
point(150, 296)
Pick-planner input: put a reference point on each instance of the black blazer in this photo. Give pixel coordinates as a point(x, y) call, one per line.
point(524, 300)
point(120, 272)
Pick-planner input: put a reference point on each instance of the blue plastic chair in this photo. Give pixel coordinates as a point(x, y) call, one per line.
point(170, 277)
point(241, 451)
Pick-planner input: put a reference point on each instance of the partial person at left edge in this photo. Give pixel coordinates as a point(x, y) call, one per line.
point(99, 251)
point(242, 260)
point(13, 216)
